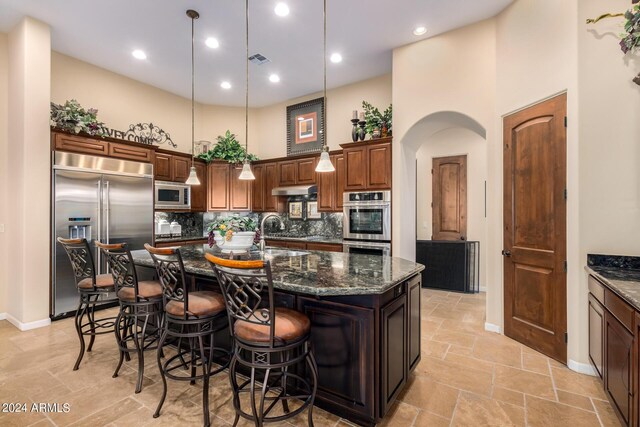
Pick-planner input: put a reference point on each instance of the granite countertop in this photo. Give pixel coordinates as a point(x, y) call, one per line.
point(619, 273)
point(317, 273)
point(314, 239)
point(179, 238)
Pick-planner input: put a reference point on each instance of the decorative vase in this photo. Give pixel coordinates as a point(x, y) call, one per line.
point(354, 131)
point(361, 132)
point(241, 241)
point(384, 130)
point(376, 133)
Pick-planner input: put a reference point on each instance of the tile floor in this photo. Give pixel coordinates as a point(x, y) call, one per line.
point(467, 377)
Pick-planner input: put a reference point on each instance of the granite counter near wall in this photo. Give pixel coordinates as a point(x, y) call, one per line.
point(621, 274)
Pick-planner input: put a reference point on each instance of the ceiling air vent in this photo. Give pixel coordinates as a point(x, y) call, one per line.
point(259, 59)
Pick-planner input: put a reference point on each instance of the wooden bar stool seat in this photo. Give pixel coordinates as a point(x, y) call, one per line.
point(140, 316)
point(272, 343)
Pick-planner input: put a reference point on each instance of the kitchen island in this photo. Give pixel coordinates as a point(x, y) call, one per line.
point(365, 320)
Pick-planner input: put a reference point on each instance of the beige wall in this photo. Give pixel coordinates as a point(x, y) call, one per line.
point(609, 135)
point(453, 142)
point(29, 168)
point(4, 165)
point(341, 102)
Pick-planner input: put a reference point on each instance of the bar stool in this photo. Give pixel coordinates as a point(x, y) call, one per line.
point(267, 339)
point(190, 315)
point(140, 302)
point(93, 289)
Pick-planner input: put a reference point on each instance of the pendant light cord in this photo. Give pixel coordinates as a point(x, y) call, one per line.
point(324, 90)
point(246, 100)
point(193, 150)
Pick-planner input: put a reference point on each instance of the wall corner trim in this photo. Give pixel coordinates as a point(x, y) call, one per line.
point(3, 316)
point(27, 325)
point(492, 328)
point(582, 368)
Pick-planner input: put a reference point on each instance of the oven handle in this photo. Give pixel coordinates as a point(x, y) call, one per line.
point(366, 205)
point(366, 244)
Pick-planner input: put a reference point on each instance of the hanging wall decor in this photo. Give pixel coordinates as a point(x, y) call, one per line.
point(305, 127)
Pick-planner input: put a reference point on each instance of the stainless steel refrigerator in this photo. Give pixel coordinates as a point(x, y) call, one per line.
point(100, 199)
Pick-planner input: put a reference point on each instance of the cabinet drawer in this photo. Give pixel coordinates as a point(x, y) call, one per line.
point(129, 152)
point(596, 288)
point(79, 144)
point(620, 309)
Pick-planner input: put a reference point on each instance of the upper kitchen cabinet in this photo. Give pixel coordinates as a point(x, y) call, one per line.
point(171, 166)
point(368, 165)
point(266, 180)
point(225, 191)
point(297, 171)
point(331, 185)
point(97, 146)
point(199, 192)
point(257, 191)
point(130, 152)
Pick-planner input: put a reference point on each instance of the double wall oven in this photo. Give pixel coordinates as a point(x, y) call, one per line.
point(367, 222)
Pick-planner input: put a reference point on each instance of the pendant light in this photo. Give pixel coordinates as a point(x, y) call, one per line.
point(325, 165)
point(246, 173)
point(193, 176)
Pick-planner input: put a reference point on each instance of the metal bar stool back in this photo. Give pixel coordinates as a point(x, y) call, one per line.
point(272, 342)
point(93, 289)
point(192, 318)
point(140, 314)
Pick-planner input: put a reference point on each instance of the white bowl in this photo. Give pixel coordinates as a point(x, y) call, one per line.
point(241, 241)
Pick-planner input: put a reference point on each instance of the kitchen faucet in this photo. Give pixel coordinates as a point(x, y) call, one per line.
point(264, 219)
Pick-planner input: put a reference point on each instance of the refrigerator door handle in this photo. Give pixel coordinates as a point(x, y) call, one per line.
point(99, 227)
point(106, 219)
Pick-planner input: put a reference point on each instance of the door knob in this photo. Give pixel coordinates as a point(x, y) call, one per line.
point(506, 253)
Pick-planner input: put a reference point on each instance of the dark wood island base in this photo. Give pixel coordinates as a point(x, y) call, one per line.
point(365, 345)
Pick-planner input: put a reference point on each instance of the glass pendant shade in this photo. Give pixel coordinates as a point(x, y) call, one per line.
point(246, 173)
point(325, 165)
point(193, 177)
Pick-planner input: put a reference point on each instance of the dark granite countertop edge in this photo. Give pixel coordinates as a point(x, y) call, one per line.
point(629, 299)
point(330, 240)
point(178, 239)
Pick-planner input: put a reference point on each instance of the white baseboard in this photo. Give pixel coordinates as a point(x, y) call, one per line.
point(492, 328)
point(483, 288)
point(26, 326)
point(583, 368)
point(3, 316)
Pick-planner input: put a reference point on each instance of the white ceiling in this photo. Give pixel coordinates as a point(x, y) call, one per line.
point(105, 33)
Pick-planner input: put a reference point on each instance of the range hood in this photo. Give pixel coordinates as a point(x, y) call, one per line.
point(295, 190)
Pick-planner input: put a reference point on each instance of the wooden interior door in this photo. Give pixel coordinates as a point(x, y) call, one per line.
point(535, 307)
point(449, 200)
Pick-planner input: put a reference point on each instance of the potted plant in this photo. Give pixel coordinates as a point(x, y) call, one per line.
point(375, 119)
point(233, 233)
point(227, 148)
point(72, 117)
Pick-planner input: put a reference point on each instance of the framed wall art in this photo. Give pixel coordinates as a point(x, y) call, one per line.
point(312, 211)
point(296, 210)
point(305, 127)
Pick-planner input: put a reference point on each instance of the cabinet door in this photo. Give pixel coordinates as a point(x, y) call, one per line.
point(199, 192)
point(306, 171)
point(296, 245)
point(327, 247)
point(275, 243)
point(339, 334)
point(218, 187)
point(327, 189)
point(287, 172)
point(379, 167)
point(79, 144)
point(413, 311)
point(271, 203)
point(393, 328)
point(130, 152)
point(240, 191)
point(258, 194)
point(596, 334)
point(163, 167)
point(181, 168)
point(618, 366)
point(340, 182)
point(356, 168)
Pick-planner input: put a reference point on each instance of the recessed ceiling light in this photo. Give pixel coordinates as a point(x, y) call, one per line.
point(281, 9)
point(335, 58)
point(418, 31)
point(225, 85)
point(212, 42)
point(139, 54)
point(274, 78)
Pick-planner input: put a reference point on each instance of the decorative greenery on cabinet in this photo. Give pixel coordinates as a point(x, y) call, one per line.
point(74, 118)
point(376, 119)
point(228, 149)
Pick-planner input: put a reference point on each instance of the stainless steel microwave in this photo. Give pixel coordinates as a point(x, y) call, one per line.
point(367, 215)
point(172, 195)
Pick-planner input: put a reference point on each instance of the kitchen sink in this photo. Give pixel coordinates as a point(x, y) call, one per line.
point(274, 252)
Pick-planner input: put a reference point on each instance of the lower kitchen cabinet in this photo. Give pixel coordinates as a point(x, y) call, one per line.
point(596, 335)
point(618, 366)
point(297, 244)
point(394, 329)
